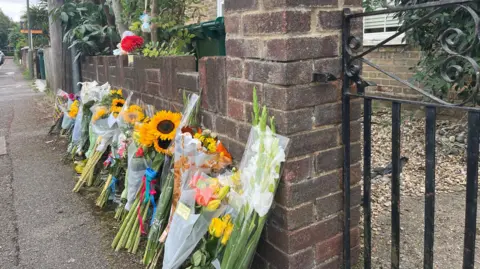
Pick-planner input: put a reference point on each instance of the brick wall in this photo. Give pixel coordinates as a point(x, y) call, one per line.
point(275, 46)
point(398, 60)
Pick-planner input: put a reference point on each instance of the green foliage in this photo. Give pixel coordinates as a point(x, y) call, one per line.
point(86, 28)
point(433, 60)
point(5, 25)
point(176, 45)
point(39, 21)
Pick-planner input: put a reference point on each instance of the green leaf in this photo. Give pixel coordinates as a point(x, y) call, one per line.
point(64, 16)
point(197, 258)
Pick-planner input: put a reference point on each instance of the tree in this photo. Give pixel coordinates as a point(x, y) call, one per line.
point(39, 21)
point(5, 26)
point(433, 62)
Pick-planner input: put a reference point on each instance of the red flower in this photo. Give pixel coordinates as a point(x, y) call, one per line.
point(139, 152)
point(131, 43)
point(71, 96)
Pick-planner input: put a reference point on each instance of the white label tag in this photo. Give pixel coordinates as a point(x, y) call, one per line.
point(183, 210)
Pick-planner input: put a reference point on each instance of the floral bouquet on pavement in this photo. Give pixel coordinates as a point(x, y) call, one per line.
point(104, 131)
point(154, 138)
point(259, 176)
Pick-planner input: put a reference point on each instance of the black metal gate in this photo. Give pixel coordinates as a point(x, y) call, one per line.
point(353, 57)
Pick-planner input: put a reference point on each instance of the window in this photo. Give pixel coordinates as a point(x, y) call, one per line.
point(220, 8)
point(380, 27)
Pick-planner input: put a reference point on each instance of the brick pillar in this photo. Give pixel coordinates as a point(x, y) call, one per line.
point(276, 46)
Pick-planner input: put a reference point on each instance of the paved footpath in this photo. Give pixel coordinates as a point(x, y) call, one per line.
point(43, 224)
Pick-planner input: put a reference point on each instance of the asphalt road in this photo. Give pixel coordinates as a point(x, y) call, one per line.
point(42, 223)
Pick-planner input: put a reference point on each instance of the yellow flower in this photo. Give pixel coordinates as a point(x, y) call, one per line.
point(227, 233)
point(212, 147)
point(213, 205)
point(133, 114)
point(102, 111)
point(118, 92)
point(162, 146)
point(197, 136)
point(227, 218)
point(117, 105)
point(164, 124)
point(216, 228)
point(223, 192)
point(145, 137)
point(73, 109)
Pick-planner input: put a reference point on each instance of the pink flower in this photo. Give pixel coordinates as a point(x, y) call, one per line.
point(194, 181)
point(203, 196)
point(71, 96)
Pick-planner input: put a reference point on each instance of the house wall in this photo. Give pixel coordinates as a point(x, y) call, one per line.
point(399, 60)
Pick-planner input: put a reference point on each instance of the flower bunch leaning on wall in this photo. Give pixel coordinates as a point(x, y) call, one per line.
point(180, 198)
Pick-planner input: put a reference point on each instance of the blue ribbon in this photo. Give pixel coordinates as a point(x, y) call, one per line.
point(152, 200)
point(112, 185)
point(150, 175)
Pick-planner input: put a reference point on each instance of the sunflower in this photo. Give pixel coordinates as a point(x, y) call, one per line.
point(117, 92)
point(161, 146)
point(117, 105)
point(102, 111)
point(133, 114)
point(145, 137)
point(164, 124)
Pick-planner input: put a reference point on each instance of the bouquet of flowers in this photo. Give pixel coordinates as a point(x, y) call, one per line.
point(154, 138)
point(202, 200)
point(258, 178)
point(104, 129)
point(160, 219)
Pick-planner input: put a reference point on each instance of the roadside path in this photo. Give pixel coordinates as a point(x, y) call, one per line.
point(43, 224)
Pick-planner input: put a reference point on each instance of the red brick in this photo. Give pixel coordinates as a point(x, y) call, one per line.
point(232, 24)
point(213, 82)
point(244, 48)
point(291, 73)
point(355, 131)
point(208, 120)
point(334, 246)
point(294, 121)
point(330, 20)
point(311, 141)
point(280, 22)
point(188, 80)
point(235, 148)
point(226, 127)
point(236, 109)
point(235, 5)
point(259, 263)
point(301, 260)
point(332, 113)
point(292, 218)
point(333, 159)
point(301, 96)
point(329, 65)
point(297, 169)
point(333, 203)
point(153, 75)
point(244, 132)
point(295, 3)
point(243, 90)
point(291, 195)
point(234, 67)
point(302, 48)
point(152, 89)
